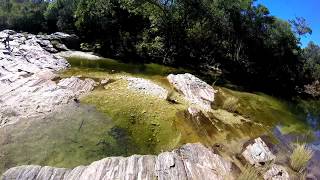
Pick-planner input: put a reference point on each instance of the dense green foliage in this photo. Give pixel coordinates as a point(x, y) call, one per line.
point(240, 37)
point(312, 61)
point(23, 15)
point(60, 15)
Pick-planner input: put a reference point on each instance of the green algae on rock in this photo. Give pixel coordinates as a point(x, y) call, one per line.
point(266, 110)
point(258, 112)
point(151, 121)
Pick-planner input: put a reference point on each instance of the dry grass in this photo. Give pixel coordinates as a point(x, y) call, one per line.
point(231, 104)
point(302, 176)
point(300, 157)
point(249, 173)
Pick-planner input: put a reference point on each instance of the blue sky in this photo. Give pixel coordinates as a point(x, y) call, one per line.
point(289, 9)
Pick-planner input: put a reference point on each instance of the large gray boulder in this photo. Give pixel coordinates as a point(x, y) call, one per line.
point(191, 161)
point(194, 89)
point(58, 39)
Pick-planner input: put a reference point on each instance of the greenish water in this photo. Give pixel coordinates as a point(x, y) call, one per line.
point(113, 66)
point(116, 122)
point(69, 137)
point(265, 112)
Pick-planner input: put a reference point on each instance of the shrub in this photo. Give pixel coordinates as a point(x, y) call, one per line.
point(231, 104)
point(300, 157)
point(249, 173)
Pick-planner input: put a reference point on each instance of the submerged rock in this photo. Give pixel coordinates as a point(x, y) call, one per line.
point(77, 85)
point(79, 54)
point(199, 120)
point(147, 87)
point(258, 153)
point(195, 90)
point(276, 172)
point(191, 161)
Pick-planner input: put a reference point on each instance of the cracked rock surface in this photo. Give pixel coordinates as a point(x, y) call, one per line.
point(194, 89)
point(27, 74)
point(191, 161)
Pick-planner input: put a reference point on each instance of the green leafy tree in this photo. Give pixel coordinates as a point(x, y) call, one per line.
point(311, 55)
point(111, 25)
point(60, 15)
point(301, 26)
point(24, 15)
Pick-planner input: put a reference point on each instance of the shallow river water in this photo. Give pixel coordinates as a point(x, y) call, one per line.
point(82, 133)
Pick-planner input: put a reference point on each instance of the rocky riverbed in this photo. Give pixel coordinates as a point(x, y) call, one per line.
point(148, 116)
point(28, 81)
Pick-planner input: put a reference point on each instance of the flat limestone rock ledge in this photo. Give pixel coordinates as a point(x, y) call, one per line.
point(27, 79)
point(191, 161)
point(36, 96)
point(194, 89)
point(79, 54)
point(147, 87)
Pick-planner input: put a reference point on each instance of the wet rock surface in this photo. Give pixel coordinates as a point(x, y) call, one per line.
point(191, 161)
point(194, 89)
point(27, 73)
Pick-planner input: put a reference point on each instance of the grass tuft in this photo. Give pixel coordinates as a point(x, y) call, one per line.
point(231, 104)
point(249, 173)
point(300, 157)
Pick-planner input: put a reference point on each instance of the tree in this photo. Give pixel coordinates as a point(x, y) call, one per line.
point(24, 15)
point(60, 15)
point(253, 47)
point(300, 26)
point(110, 24)
point(311, 55)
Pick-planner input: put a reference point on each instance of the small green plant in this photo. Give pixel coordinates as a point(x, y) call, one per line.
point(231, 104)
point(300, 157)
point(249, 173)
